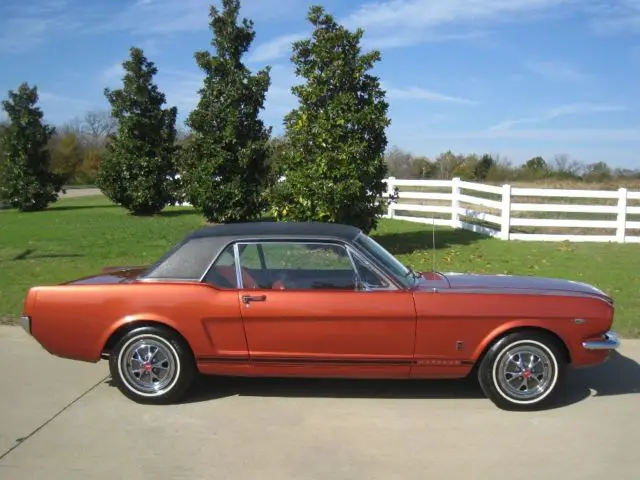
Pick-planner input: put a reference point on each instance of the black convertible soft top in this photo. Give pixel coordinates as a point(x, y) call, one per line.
point(257, 229)
point(192, 256)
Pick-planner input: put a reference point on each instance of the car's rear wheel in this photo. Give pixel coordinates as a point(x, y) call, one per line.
point(152, 365)
point(522, 371)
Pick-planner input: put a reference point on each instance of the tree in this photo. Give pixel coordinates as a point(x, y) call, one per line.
point(66, 155)
point(223, 168)
point(484, 166)
point(335, 166)
point(98, 125)
point(139, 163)
point(597, 172)
point(399, 163)
point(26, 180)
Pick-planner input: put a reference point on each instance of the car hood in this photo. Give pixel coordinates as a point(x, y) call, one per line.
point(507, 283)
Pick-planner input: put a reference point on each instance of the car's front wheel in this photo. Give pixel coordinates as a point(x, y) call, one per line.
point(522, 370)
point(152, 365)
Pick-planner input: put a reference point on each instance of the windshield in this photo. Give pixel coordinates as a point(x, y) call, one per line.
point(382, 256)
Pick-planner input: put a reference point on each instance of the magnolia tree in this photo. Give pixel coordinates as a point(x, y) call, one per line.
point(224, 162)
point(26, 179)
point(139, 164)
point(334, 160)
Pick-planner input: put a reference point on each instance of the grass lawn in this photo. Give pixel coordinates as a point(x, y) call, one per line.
point(79, 236)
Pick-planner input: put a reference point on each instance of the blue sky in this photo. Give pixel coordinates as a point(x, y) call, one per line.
point(512, 77)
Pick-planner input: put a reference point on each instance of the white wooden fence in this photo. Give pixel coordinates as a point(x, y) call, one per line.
point(509, 213)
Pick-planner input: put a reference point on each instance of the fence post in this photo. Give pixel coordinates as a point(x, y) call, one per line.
point(390, 185)
point(455, 202)
point(621, 228)
point(505, 214)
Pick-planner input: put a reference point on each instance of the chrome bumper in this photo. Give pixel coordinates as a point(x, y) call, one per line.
point(610, 341)
point(25, 322)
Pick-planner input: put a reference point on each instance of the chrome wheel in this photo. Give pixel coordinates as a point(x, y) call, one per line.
point(149, 365)
point(525, 372)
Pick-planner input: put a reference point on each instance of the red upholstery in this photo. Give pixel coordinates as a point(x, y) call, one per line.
point(229, 272)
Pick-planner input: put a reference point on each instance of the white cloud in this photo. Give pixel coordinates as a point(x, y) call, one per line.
point(408, 22)
point(181, 88)
point(25, 27)
point(274, 49)
point(564, 110)
point(555, 70)
point(112, 74)
point(174, 16)
point(51, 98)
point(617, 16)
point(422, 94)
point(563, 135)
point(429, 13)
point(280, 100)
point(403, 38)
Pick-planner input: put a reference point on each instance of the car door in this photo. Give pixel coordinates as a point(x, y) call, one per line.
point(304, 308)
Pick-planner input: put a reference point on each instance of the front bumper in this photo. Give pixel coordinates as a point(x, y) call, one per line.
point(25, 323)
point(609, 341)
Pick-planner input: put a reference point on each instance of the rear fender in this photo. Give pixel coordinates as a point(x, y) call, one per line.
point(130, 321)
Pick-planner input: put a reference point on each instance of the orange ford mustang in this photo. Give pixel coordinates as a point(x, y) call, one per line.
point(318, 300)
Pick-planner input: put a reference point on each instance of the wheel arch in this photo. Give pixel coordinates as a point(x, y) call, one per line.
point(521, 329)
point(127, 327)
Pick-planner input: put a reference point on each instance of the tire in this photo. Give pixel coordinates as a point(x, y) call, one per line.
point(164, 382)
point(500, 376)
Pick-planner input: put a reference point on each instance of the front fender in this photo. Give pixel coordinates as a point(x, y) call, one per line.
point(519, 324)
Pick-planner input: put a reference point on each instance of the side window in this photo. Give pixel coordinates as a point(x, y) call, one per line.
point(222, 273)
point(369, 278)
point(306, 266)
point(305, 256)
point(249, 256)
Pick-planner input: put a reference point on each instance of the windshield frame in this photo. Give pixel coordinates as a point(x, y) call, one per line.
point(402, 274)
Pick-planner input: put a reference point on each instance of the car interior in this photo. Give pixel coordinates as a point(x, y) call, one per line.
point(286, 266)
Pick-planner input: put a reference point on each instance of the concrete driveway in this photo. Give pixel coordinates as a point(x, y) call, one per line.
point(62, 419)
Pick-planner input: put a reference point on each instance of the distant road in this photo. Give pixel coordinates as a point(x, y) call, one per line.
point(81, 192)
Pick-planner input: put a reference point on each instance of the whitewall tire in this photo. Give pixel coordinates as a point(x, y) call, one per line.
point(523, 370)
point(152, 364)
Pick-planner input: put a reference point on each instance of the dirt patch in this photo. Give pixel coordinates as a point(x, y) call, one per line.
point(8, 321)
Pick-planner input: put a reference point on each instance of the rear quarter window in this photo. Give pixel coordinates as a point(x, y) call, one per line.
point(189, 262)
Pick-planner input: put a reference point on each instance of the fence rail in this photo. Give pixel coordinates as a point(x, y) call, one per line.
point(512, 213)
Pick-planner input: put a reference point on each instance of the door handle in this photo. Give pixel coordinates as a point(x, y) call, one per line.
point(253, 298)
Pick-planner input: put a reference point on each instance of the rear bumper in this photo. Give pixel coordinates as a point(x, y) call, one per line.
point(25, 323)
point(609, 341)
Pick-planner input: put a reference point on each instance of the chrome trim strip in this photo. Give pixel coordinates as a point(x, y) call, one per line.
point(352, 252)
point(522, 291)
point(610, 341)
point(25, 323)
point(236, 260)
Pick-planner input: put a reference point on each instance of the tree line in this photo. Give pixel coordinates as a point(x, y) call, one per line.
point(493, 168)
point(227, 164)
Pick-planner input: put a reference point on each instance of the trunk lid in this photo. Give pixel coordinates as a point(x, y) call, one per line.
point(116, 274)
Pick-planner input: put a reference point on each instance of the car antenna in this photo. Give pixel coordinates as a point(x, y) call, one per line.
point(433, 241)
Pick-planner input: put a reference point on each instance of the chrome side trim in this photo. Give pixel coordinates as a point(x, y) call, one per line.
point(610, 341)
point(236, 260)
point(522, 291)
point(25, 323)
point(353, 253)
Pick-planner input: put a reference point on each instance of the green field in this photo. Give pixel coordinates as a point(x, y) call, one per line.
point(79, 236)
